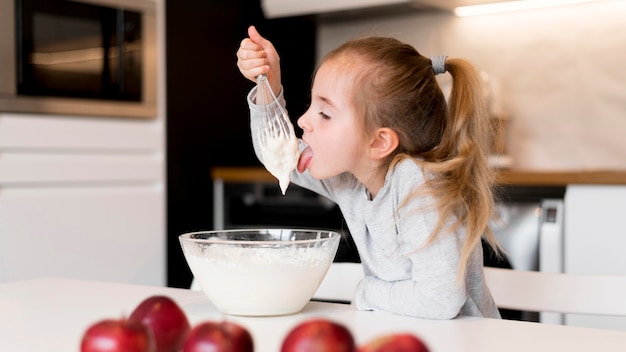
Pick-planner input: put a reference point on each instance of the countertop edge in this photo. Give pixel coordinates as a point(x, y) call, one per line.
point(246, 174)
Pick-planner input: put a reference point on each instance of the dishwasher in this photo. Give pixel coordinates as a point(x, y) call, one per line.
point(529, 227)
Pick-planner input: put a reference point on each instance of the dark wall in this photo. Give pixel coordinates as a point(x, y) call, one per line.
point(207, 114)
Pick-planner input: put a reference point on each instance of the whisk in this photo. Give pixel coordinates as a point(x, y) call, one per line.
point(277, 139)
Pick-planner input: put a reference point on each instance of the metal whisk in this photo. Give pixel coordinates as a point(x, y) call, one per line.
point(277, 139)
point(276, 123)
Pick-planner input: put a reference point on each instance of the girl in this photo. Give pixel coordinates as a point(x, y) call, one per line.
point(408, 171)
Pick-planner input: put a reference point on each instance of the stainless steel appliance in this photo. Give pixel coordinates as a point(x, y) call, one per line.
point(79, 57)
point(530, 230)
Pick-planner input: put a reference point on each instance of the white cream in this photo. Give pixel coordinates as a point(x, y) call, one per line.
point(260, 281)
point(280, 157)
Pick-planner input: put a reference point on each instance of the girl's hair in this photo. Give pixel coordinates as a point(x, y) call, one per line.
point(394, 86)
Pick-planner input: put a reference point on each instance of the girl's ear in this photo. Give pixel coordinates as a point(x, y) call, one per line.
point(384, 143)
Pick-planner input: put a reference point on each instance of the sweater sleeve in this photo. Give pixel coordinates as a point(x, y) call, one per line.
point(431, 291)
point(255, 116)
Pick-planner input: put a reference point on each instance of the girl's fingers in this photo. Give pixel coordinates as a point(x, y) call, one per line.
point(252, 56)
point(252, 74)
point(251, 64)
point(251, 68)
point(249, 45)
point(255, 36)
point(265, 44)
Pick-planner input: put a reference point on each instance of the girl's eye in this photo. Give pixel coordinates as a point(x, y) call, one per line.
point(324, 116)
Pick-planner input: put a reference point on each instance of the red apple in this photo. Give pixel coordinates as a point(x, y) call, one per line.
point(398, 342)
point(166, 319)
point(117, 336)
point(221, 336)
point(319, 335)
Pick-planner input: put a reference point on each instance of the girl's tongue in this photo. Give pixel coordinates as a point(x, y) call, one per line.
point(306, 155)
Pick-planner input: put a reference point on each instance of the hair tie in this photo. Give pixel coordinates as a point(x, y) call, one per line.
point(439, 64)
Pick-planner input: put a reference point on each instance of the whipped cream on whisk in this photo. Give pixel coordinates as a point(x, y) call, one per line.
point(280, 157)
point(277, 140)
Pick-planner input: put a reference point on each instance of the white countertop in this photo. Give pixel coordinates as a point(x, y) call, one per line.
point(51, 314)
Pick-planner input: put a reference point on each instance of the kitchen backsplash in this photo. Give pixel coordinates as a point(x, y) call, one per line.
point(559, 74)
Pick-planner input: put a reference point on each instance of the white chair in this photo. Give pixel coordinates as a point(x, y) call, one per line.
point(559, 293)
point(195, 285)
point(340, 282)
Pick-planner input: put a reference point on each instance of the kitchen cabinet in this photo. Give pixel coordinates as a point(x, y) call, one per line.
point(81, 198)
point(84, 197)
point(283, 8)
point(595, 239)
point(109, 233)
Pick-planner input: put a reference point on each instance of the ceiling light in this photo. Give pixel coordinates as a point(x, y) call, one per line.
point(483, 9)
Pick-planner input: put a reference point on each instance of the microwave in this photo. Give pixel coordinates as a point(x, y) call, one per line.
point(78, 57)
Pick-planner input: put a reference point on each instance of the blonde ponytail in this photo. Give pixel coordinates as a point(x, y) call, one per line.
point(464, 181)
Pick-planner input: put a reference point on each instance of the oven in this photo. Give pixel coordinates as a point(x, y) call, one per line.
point(88, 57)
point(262, 205)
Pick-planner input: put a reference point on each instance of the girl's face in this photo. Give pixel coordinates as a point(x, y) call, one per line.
point(330, 126)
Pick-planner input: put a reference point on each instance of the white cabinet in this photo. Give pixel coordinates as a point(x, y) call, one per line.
point(82, 198)
point(110, 233)
point(595, 239)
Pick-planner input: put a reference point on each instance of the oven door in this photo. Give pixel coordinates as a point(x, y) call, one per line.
point(78, 50)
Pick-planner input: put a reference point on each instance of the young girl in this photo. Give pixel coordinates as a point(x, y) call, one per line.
point(408, 171)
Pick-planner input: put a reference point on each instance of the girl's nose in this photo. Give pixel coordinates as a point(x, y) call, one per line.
point(303, 122)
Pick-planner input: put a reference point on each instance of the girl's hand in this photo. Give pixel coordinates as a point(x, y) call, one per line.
point(256, 56)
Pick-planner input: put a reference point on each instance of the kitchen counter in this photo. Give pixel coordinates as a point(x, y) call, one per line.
point(51, 314)
point(507, 177)
point(561, 178)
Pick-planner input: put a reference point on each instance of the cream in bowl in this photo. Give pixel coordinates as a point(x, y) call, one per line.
point(262, 272)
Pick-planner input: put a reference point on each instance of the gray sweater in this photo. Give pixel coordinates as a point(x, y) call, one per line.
point(400, 276)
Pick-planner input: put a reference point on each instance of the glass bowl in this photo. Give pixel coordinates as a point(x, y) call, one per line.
point(260, 272)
